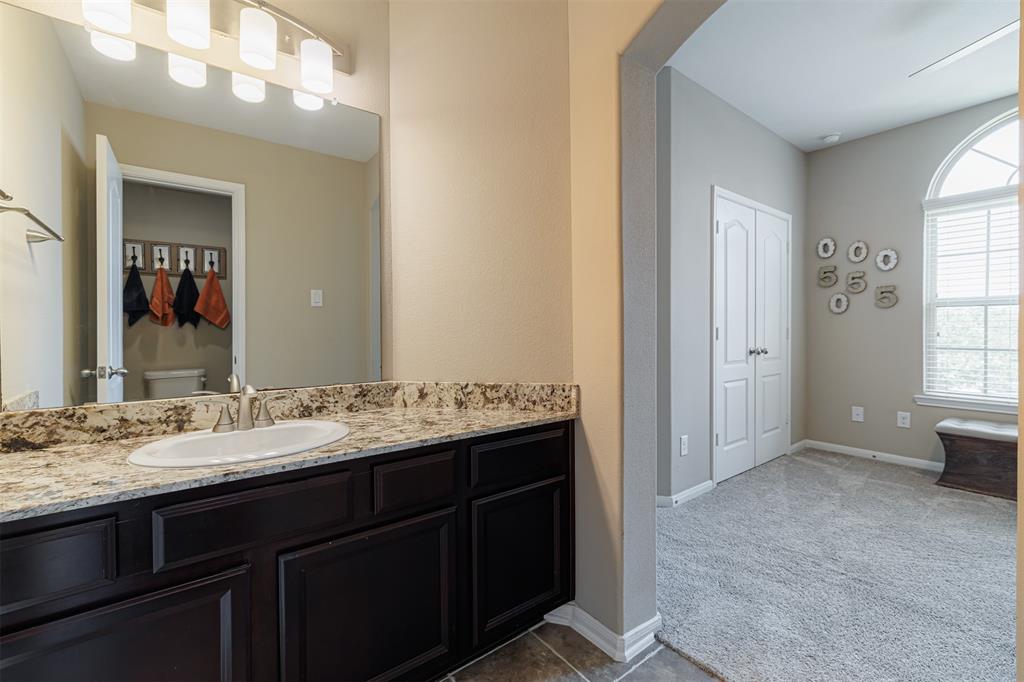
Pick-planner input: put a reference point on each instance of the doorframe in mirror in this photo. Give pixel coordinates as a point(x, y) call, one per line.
point(195, 183)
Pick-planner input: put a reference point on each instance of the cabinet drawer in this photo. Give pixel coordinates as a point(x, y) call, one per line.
point(47, 565)
point(513, 461)
point(194, 531)
point(413, 482)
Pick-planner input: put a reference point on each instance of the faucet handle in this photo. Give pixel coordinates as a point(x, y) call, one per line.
point(225, 424)
point(263, 416)
point(234, 385)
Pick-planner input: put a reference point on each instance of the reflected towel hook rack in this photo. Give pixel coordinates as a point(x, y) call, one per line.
point(31, 234)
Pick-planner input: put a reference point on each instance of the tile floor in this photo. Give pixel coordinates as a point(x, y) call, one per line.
point(555, 653)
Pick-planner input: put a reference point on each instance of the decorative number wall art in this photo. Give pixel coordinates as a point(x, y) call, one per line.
point(855, 283)
point(887, 259)
point(827, 276)
point(857, 252)
point(826, 247)
point(885, 296)
point(839, 303)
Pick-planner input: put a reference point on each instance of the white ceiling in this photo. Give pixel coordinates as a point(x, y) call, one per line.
point(143, 86)
point(807, 68)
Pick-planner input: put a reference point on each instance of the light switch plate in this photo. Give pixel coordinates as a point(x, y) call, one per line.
point(684, 446)
point(903, 420)
point(857, 413)
point(316, 298)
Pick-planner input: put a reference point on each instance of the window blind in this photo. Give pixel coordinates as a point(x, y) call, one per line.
point(971, 285)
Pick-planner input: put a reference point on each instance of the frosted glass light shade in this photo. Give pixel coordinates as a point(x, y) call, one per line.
point(247, 88)
point(188, 22)
point(257, 39)
point(113, 16)
point(317, 66)
point(189, 72)
point(112, 46)
point(304, 100)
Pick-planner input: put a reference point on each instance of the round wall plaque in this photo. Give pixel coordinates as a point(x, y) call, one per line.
point(826, 247)
point(857, 252)
point(838, 303)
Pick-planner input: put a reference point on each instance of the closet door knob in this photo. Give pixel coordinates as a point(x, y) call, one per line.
point(762, 350)
point(87, 373)
point(753, 351)
point(118, 371)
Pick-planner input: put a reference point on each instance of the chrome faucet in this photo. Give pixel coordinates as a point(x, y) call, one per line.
point(245, 397)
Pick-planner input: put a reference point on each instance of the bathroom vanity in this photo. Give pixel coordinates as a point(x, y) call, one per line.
point(343, 565)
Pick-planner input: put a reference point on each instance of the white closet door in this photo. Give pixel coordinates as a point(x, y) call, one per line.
point(734, 355)
point(109, 313)
point(771, 265)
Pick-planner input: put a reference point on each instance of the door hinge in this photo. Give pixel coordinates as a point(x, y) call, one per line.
point(716, 333)
point(716, 440)
point(787, 333)
point(718, 223)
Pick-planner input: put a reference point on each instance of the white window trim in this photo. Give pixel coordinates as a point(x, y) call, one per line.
point(970, 404)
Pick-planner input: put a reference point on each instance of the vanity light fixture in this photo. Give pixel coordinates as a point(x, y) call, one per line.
point(257, 39)
point(112, 16)
point(112, 46)
point(188, 22)
point(317, 66)
point(189, 72)
point(304, 100)
point(247, 88)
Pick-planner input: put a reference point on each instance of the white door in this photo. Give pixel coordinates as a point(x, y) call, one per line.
point(109, 309)
point(771, 405)
point(751, 345)
point(734, 345)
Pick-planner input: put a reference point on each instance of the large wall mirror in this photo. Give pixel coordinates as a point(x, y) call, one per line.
point(203, 235)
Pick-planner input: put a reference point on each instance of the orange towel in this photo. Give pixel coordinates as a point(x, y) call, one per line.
point(211, 303)
point(161, 303)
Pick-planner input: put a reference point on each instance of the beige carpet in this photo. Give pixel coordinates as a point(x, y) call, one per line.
point(819, 566)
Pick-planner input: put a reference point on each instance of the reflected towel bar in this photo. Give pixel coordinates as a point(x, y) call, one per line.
point(32, 234)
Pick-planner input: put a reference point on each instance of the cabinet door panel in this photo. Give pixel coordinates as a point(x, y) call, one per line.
point(519, 563)
point(196, 631)
point(374, 605)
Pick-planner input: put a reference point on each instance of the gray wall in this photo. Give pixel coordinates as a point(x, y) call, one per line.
point(703, 142)
point(871, 189)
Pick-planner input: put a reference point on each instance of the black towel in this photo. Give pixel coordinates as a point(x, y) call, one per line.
point(135, 302)
point(185, 300)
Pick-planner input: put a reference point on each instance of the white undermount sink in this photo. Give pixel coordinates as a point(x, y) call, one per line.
point(205, 448)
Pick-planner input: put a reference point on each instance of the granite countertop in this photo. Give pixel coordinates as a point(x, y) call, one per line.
point(62, 478)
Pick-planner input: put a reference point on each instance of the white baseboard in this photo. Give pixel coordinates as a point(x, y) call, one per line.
point(619, 647)
point(914, 462)
point(688, 494)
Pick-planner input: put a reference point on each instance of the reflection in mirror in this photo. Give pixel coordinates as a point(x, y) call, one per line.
point(203, 235)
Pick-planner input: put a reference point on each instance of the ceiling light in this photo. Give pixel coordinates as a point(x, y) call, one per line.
point(116, 48)
point(247, 88)
point(317, 65)
point(189, 72)
point(257, 39)
point(113, 16)
point(304, 100)
point(188, 22)
point(831, 138)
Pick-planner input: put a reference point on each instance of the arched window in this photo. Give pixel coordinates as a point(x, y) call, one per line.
point(971, 272)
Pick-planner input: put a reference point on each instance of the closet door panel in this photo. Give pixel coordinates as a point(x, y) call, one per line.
point(772, 319)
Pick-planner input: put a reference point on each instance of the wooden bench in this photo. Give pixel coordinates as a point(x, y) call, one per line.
point(981, 456)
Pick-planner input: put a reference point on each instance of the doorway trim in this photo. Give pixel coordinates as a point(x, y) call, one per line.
point(195, 183)
point(718, 192)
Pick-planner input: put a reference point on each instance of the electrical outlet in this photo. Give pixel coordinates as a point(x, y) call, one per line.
point(316, 298)
point(903, 420)
point(857, 413)
point(684, 446)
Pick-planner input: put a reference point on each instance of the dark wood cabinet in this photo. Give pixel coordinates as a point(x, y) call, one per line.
point(375, 605)
point(196, 631)
point(397, 566)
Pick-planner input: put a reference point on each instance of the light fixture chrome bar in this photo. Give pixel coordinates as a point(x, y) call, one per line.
point(32, 234)
point(297, 23)
point(969, 48)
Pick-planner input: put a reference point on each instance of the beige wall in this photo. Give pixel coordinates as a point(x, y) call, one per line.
point(480, 241)
point(705, 142)
point(306, 228)
point(871, 189)
point(160, 214)
point(41, 147)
